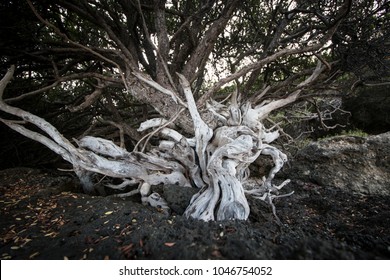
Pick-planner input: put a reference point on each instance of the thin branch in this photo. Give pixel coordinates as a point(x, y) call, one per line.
point(147, 35)
point(286, 51)
point(77, 76)
point(67, 39)
point(149, 135)
point(89, 99)
point(37, 121)
point(323, 61)
point(254, 66)
point(158, 87)
point(205, 46)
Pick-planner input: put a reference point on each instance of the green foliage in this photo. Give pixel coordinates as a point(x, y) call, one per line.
point(350, 132)
point(354, 132)
point(362, 41)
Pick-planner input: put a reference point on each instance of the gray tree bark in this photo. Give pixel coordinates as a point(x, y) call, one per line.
point(216, 160)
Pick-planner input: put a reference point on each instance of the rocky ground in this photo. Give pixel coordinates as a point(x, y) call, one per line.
point(44, 216)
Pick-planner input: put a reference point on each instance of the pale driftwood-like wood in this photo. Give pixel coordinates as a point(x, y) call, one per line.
point(203, 133)
point(216, 160)
point(209, 144)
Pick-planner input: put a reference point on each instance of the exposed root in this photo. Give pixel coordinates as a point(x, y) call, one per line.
point(216, 160)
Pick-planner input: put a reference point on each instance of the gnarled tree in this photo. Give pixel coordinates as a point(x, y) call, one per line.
point(187, 85)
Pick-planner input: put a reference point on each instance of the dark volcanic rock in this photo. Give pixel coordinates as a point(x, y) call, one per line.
point(360, 164)
point(370, 108)
point(178, 198)
point(40, 219)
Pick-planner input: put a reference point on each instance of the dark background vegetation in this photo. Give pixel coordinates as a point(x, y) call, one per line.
point(359, 54)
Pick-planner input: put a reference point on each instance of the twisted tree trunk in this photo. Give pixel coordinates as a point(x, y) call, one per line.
point(216, 160)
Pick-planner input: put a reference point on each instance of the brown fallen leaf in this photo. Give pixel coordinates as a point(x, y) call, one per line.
point(51, 234)
point(126, 250)
point(33, 255)
point(216, 253)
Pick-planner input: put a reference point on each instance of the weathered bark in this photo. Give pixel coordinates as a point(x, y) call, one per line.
point(132, 60)
point(216, 160)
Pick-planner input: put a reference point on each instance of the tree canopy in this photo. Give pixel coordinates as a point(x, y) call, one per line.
point(82, 53)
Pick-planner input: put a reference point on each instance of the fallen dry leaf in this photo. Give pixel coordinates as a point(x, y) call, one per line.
point(33, 255)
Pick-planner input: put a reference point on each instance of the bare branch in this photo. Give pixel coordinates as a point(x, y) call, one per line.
point(204, 48)
point(158, 87)
point(252, 67)
point(284, 52)
point(56, 30)
point(203, 133)
point(164, 41)
point(89, 99)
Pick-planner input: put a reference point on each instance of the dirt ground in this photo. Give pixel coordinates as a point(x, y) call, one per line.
point(45, 216)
